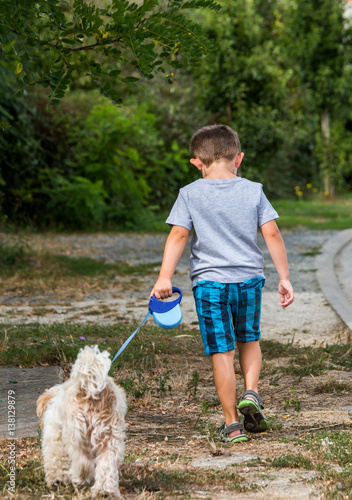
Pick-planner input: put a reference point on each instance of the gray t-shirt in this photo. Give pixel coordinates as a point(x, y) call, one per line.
point(225, 215)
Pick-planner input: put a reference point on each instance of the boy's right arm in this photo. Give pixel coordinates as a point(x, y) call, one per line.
point(174, 247)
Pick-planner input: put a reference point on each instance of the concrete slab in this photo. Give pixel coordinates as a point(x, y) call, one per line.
point(19, 391)
point(329, 277)
point(223, 461)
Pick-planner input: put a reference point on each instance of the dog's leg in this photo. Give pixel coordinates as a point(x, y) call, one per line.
point(107, 462)
point(82, 467)
point(56, 461)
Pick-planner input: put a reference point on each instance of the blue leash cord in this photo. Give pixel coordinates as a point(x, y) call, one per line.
point(157, 307)
point(130, 338)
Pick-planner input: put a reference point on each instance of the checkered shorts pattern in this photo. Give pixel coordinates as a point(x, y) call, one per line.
point(228, 313)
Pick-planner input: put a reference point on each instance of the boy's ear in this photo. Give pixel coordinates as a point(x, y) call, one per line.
point(197, 163)
point(239, 159)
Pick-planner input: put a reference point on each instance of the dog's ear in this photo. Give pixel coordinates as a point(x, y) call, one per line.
point(43, 401)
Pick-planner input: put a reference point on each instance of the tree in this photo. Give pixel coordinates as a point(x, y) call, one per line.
point(318, 43)
point(246, 87)
point(52, 42)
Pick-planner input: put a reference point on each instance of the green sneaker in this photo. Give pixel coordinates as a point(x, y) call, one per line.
point(254, 418)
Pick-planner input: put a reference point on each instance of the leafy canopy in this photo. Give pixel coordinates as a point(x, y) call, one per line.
point(53, 42)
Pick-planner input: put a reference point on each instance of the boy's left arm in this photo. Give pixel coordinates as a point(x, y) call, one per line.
point(277, 250)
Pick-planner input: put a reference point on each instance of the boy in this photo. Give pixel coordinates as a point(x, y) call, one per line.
point(226, 269)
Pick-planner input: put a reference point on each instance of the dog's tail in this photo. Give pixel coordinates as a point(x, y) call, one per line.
point(43, 401)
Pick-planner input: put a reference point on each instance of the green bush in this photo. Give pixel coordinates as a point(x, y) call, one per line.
point(84, 166)
point(31, 147)
point(76, 203)
point(123, 149)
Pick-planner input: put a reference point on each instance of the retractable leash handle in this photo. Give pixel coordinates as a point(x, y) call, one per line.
point(166, 314)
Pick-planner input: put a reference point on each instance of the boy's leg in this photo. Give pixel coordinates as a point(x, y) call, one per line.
point(250, 358)
point(251, 404)
point(214, 315)
point(246, 316)
point(225, 383)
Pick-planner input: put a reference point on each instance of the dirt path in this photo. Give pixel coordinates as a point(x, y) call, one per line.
point(310, 321)
point(172, 450)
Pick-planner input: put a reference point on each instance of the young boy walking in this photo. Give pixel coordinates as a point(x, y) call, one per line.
point(226, 269)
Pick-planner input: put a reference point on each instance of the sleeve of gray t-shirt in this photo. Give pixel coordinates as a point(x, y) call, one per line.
point(179, 215)
point(266, 212)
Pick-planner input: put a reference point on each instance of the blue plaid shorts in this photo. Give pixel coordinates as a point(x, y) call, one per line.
point(228, 313)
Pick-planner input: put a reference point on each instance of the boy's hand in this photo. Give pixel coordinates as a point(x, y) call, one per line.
point(286, 292)
point(162, 288)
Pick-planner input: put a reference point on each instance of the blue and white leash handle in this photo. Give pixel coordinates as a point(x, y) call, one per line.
point(166, 314)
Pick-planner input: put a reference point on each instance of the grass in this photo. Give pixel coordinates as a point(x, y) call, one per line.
point(315, 214)
point(34, 344)
point(292, 462)
point(307, 360)
point(18, 258)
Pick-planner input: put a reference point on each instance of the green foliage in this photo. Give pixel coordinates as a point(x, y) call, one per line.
point(247, 87)
point(30, 149)
point(277, 66)
point(123, 150)
point(77, 202)
point(107, 169)
point(51, 43)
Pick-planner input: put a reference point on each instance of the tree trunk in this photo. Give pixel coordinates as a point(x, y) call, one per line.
point(325, 130)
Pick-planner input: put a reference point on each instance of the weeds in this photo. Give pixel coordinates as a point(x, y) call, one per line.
point(137, 388)
point(295, 402)
point(14, 256)
point(313, 252)
point(192, 386)
point(331, 446)
point(163, 387)
point(204, 411)
point(309, 362)
point(332, 386)
point(292, 462)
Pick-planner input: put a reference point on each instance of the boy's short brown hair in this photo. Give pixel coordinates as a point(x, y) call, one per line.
point(214, 142)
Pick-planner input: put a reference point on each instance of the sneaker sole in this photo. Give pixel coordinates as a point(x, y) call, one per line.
point(254, 421)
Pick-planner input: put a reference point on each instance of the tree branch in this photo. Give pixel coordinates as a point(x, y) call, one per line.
point(91, 47)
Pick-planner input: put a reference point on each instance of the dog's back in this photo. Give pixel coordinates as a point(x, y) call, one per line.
point(84, 425)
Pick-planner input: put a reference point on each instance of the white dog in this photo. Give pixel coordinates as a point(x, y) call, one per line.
point(83, 421)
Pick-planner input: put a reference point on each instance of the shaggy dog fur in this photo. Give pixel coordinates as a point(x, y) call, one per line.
point(83, 421)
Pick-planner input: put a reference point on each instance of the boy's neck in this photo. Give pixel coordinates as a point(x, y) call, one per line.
point(221, 169)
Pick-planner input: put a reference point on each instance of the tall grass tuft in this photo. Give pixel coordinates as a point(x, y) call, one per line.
point(14, 254)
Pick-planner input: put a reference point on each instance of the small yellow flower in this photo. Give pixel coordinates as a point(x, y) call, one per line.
point(297, 188)
point(309, 186)
point(326, 193)
point(300, 193)
point(315, 190)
